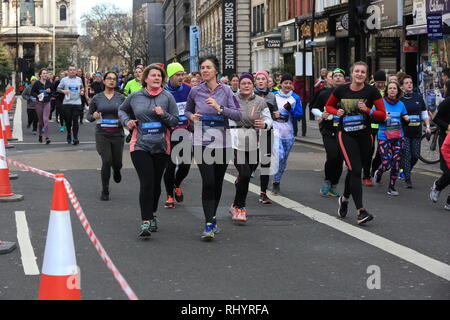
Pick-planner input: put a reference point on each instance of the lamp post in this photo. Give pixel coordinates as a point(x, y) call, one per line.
point(174, 30)
point(16, 62)
point(54, 49)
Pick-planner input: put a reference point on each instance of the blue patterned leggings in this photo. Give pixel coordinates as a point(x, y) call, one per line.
point(410, 155)
point(284, 148)
point(391, 155)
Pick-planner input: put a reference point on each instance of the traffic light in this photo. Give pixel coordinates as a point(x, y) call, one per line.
point(361, 17)
point(358, 16)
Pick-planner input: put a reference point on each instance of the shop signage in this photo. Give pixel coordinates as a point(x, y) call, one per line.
point(419, 12)
point(320, 27)
point(288, 33)
point(388, 47)
point(438, 6)
point(411, 46)
point(434, 26)
point(229, 36)
point(331, 59)
point(385, 14)
point(272, 42)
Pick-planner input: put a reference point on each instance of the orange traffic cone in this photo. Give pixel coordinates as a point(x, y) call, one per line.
point(3, 124)
point(60, 277)
point(6, 194)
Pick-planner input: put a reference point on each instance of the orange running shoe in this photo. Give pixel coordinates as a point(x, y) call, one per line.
point(179, 195)
point(170, 203)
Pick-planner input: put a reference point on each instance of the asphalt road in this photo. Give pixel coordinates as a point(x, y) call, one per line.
point(281, 253)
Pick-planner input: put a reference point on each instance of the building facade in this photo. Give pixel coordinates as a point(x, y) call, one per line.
point(225, 32)
point(40, 24)
point(177, 20)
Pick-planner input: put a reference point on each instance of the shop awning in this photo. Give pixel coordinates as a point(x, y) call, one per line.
point(414, 30)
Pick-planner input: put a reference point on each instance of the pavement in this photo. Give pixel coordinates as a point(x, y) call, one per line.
point(295, 249)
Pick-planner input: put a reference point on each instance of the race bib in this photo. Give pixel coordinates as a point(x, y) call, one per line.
point(213, 122)
point(44, 92)
point(181, 107)
point(284, 117)
point(74, 88)
point(108, 123)
point(152, 128)
point(414, 121)
point(353, 123)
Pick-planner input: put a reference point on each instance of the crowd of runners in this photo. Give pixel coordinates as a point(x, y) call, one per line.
point(171, 119)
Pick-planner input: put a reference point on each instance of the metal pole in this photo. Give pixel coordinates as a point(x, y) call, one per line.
point(174, 30)
point(16, 69)
point(54, 49)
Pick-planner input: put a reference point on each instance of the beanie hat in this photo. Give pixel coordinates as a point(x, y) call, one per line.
point(263, 73)
point(246, 75)
point(174, 68)
point(339, 70)
point(286, 77)
point(379, 76)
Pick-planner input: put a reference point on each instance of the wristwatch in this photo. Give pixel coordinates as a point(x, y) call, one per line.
point(220, 111)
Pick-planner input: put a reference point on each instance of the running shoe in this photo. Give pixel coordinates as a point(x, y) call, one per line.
point(276, 188)
point(47, 141)
point(117, 176)
point(76, 142)
point(242, 215)
point(333, 192)
point(104, 196)
point(69, 139)
point(62, 129)
point(179, 197)
point(216, 227)
point(170, 203)
point(145, 231)
point(154, 224)
point(325, 189)
point(376, 179)
point(264, 199)
point(368, 182)
point(392, 191)
point(343, 207)
point(34, 132)
point(235, 214)
point(40, 139)
point(408, 184)
point(447, 206)
point(364, 217)
point(401, 176)
point(208, 233)
point(434, 194)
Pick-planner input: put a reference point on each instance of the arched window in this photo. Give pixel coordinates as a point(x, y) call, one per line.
point(62, 13)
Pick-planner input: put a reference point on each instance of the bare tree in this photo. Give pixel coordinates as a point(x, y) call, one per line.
point(111, 33)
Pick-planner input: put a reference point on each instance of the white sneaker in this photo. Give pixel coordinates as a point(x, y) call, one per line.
point(447, 206)
point(434, 194)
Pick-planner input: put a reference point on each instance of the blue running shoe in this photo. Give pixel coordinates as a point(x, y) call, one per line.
point(145, 231)
point(208, 233)
point(216, 228)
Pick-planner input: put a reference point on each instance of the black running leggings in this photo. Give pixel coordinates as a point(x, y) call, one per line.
point(110, 149)
point(334, 163)
point(212, 183)
point(245, 169)
point(32, 118)
point(71, 114)
point(150, 169)
point(171, 179)
point(355, 148)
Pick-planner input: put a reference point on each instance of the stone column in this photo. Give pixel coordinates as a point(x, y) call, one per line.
point(20, 50)
point(36, 53)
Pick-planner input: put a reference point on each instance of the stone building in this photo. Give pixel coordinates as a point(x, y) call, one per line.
point(39, 21)
point(225, 33)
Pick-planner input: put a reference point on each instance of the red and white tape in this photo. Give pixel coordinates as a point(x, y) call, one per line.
point(86, 225)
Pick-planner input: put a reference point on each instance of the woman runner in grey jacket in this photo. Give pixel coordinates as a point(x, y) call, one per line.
point(155, 111)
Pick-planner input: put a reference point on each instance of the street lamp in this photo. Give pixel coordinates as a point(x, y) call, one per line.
point(16, 62)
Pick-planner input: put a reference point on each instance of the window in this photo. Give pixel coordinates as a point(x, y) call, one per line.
point(258, 19)
point(63, 13)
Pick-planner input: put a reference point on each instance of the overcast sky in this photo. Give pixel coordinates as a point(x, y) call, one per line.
point(83, 6)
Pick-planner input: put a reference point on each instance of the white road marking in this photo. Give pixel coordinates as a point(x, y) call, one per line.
point(429, 264)
point(26, 249)
point(17, 130)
